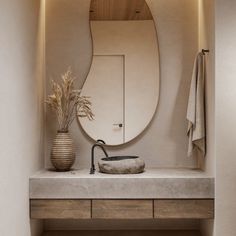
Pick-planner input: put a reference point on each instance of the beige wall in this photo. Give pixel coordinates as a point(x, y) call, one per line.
point(207, 41)
point(225, 117)
point(21, 113)
point(164, 142)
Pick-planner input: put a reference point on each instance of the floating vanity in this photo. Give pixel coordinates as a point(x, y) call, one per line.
point(124, 83)
point(156, 193)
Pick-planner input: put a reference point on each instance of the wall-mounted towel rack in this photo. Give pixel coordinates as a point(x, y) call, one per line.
point(204, 51)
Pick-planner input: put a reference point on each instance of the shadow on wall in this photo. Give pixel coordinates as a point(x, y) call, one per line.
point(176, 69)
point(187, 53)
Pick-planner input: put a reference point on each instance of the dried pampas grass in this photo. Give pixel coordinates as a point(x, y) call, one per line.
point(67, 103)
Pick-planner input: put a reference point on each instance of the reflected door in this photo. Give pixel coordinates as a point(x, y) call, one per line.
point(132, 80)
point(105, 85)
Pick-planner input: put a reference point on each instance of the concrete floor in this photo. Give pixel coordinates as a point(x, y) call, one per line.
point(123, 233)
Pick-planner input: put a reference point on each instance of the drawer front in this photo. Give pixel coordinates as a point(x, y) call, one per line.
point(184, 209)
point(122, 209)
point(60, 209)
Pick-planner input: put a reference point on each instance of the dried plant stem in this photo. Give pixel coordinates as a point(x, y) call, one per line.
point(67, 102)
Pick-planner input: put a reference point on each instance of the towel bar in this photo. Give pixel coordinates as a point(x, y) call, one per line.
point(204, 51)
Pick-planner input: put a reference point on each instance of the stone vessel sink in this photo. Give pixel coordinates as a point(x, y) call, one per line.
point(121, 165)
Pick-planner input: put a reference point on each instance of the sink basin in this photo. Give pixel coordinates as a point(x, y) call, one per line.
point(121, 165)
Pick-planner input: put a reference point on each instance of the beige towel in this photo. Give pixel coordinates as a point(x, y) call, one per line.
point(196, 108)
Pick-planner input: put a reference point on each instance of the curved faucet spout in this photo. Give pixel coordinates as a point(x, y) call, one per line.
point(99, 144)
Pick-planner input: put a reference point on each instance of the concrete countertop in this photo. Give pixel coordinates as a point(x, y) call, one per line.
point(152, 184)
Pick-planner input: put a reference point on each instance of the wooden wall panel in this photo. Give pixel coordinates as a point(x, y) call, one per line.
point(119, 10)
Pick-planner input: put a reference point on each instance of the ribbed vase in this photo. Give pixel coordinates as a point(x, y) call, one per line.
point(62, 154)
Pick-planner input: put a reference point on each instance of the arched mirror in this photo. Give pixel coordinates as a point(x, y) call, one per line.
point(123, 81)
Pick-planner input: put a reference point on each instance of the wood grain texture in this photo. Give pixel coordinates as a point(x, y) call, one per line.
point(122, 209)
point(119, 10)
point(184, 209)
point(60, 209)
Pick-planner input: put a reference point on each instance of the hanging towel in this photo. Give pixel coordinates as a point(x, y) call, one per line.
point(196, 108)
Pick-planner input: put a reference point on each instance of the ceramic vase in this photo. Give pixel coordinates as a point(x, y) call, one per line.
point(63, 154)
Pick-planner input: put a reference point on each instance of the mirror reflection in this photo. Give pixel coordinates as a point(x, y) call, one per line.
point(123, 81)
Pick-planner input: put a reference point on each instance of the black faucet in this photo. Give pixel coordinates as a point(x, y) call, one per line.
point(99, 143)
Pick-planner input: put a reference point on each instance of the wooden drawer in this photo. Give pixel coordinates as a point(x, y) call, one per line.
point(122, 209)
point(184, 209)
point(60, 209)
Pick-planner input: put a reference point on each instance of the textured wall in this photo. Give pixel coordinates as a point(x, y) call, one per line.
point(22, 112)
point(68, 42)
